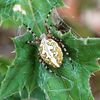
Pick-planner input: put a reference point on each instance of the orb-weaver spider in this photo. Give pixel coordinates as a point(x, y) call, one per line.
point(50, 48)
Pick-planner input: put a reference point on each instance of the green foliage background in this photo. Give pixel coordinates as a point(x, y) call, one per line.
point(27, 74)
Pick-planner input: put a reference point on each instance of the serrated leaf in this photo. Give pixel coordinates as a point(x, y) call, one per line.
point(4, 62)
point(21, 69)
point(72, 79)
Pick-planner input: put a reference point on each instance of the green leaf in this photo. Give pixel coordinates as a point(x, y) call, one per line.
point(71, 81)
point(4, 62)
point(86, 50)
point(22, 68)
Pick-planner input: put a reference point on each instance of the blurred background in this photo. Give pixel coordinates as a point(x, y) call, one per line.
point(82, 15)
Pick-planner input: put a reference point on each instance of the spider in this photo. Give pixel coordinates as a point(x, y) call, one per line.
point(50, 48)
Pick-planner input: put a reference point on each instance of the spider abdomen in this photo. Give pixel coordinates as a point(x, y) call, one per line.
point(51, 52)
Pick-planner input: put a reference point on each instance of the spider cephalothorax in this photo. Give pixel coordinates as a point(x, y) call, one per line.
point(50, 48)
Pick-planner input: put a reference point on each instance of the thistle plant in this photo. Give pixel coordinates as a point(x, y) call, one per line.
point(26, 73)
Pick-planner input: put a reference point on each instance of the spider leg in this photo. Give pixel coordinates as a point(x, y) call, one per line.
point(65, 50)
point(33, 42)
point(30, 43)
point(45, 65)
point(46, 20)
point(62, 28)
point(37, 41)
point(29, 30)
